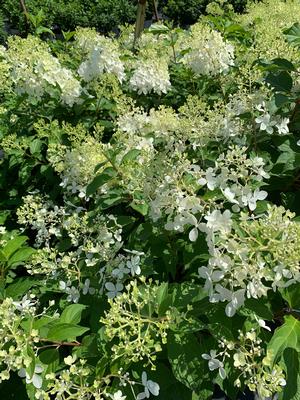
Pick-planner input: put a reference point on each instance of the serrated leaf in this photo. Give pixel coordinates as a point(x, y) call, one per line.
point(20, 256)
point(288, 335)
point(72, 314)
point(141, 208)
point(100, 180)
point(63, 331)
point(49, 356)
point(13, 245)
point(281, 82)
point(131, 155)
point(20, 287)
point(292, 389)
point(292, 34)
point(185, 356)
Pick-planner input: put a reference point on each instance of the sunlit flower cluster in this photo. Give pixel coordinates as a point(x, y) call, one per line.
point(208, 53)
point(130, 320)
point(102, 56)
point(150, 75)
point(248, 358)
point(253, 257)
point(36, 72)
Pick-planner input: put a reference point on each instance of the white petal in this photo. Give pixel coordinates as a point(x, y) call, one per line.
point(230, 310)
point(222, 373)
point(141, 396)
point(252, 204)
point(38, 369)
point(22, 373)
point(119, 287)
point(261, 195)
point(193, 235)
point(262, 323)
point(110, 286)
point(144, 378)
point(37, 381)
point(153, 387)
point(213, 364)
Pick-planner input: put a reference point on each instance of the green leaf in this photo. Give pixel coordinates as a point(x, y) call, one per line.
point(49, 356)
point(31, 355)
point(68, 35)
point(292, 389)
point(131, 155)
point(100, 180)
point(288, 335)
point(63, 331)
point(162, 298)
point(43, 29)
point(35, 146)
point(186, 293)
point(20, 256)
point(277, 64)
point(112, 198)
point(20, 287)
point(101, 366)
point(260, 308)
point(281, 99)
point(158, 28)
point(292, 34)
point(72, 314)
point(281, 82)
point(13, 245)
point(141, 208)
point(185, 356)
point(291, 295)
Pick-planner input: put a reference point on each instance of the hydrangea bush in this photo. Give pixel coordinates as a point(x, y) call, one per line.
point(149, 211)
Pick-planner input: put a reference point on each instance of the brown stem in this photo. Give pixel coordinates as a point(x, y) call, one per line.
point(23, 6)
point(58, 344)
point(155, 10)
point(140, 20)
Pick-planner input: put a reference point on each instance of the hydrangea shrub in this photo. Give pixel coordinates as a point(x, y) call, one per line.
point(149, 211)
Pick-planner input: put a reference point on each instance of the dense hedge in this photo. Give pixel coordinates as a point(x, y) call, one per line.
point(102, 14)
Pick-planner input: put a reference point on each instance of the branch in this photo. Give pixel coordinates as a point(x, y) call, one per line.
point(140, 20)
point(155, 10)
point(23, 6)
point(58, 344)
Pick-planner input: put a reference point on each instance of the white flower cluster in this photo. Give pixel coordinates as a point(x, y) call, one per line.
point(36, 72)
point(103, 56)
point(208, 53)
point(14, 339)
point(158, 124)
point(248, 259)
point(94, 244)
point(248, 358)
point(42, 216)
point(77, 165)
point(172, 196)
point(267, 122)
point(150, 75)
point(121, 267)
point(238, 177)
